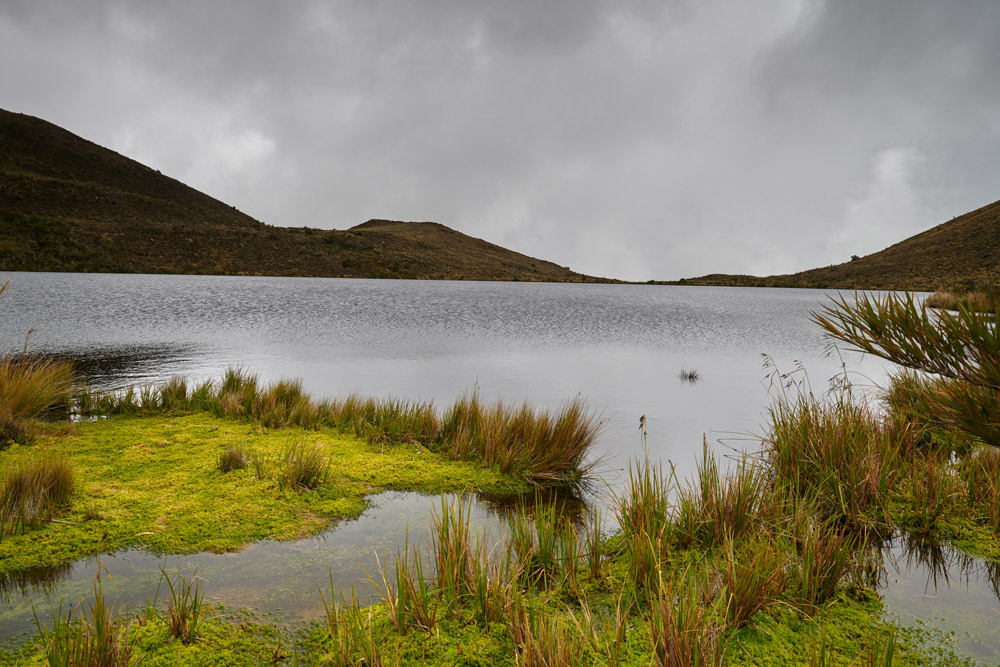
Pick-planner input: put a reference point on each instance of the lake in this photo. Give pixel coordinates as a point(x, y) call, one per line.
point(620, 347)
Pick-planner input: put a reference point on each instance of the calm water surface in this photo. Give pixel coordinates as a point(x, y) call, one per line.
point(619, 347)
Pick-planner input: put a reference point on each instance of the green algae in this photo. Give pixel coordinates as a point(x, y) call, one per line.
point(152, 483)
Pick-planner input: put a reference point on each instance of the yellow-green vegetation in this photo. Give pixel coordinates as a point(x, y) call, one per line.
point(155, 483)
point(544, 448)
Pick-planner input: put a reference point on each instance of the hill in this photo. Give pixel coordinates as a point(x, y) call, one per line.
point(962, 254)
point(67, 204)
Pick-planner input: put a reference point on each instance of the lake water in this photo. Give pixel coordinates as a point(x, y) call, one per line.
point(619, 347)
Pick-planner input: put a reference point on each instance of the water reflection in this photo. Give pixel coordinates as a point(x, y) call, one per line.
point(25, 583)
point(114, 367)
point(273, 577)
point(965, 592)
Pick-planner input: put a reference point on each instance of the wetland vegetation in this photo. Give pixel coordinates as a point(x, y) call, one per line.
point(773, 558)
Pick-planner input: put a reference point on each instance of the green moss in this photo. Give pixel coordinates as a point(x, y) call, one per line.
point(155, 485)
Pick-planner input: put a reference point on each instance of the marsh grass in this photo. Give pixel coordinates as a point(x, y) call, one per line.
point(685, 632)
point(825, 555)
point(234, 457)
point(543, 447)
point(304, 467)
point(842, 451)
point(980, 302)
point(751, 580)
point(30, 388)
point(32, 489)
point(184, 606)
point(91, 634)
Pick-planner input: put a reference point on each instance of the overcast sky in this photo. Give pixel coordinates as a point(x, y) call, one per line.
point(638, 140)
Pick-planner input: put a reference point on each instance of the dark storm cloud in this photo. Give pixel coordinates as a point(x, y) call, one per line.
point(639, 140)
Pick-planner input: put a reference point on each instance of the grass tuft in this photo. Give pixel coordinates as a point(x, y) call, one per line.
point(32, 489)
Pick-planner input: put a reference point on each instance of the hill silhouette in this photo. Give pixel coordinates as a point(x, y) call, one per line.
point(962, 254)
point(67, 204)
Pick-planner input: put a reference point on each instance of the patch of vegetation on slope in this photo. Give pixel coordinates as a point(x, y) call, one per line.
point(961, 255)
point(67, 204)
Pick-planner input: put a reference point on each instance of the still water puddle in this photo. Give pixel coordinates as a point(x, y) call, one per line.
point(279, 578)
point(923, 583)
point(928, 584)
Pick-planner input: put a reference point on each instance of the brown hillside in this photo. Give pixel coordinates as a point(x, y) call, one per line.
point(962, 254)
point(67, 204)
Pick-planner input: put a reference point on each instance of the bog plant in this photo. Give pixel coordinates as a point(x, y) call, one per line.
point(963, 346)
point(32, 489)
point(543, 447)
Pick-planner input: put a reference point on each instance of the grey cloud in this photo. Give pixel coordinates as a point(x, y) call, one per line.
point(633, 139)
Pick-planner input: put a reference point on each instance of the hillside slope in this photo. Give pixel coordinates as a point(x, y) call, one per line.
point(961, 254)
point(67, 204)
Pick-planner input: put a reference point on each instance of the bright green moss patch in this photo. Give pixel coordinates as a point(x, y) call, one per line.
point(154, 483)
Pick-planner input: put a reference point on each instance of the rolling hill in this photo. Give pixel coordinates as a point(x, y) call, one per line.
point(67, 204)
point(962, 254)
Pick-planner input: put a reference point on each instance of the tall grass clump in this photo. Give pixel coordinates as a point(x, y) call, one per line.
point(752, 579)
point(685, 632)
point(826, 552)
point(29, 388)
point(98, 636)
point(305, 467)
point(32, 489)
point(234, 456)
point(643, 513)
point(720, 506)
point(842, 451)
point(184, 607)
point(546, 448)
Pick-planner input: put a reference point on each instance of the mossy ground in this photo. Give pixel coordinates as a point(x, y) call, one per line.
point(154, 484)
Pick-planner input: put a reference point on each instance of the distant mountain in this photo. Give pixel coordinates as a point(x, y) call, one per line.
point(67, 204)
point(962, 254)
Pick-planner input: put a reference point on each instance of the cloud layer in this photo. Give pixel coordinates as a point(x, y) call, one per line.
point(637, 140)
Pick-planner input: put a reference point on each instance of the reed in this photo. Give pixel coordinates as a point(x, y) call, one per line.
point(184, 607)
point(542, 447)
point(30, 387)
point(304, 467)
point(751, 579)
point(643, 513)
point(684, 632)
point(97, 637)
point(32, 489)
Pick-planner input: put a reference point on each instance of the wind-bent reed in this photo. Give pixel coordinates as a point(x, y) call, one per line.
point(545, 448)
